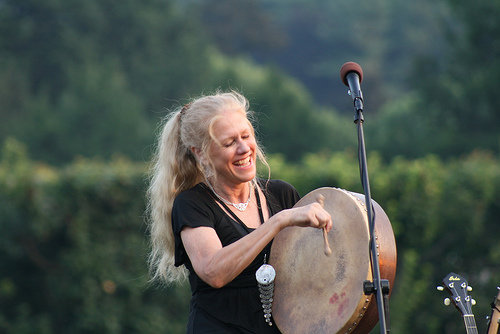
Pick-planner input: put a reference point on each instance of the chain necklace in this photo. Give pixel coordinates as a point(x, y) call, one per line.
point(239, 206)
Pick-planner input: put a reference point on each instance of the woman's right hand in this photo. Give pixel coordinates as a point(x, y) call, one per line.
point(311, 215)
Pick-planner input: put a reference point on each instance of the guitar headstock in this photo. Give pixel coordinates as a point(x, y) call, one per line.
point(458, 287)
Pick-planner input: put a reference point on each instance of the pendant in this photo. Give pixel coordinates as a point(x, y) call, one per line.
point(240, 206)
point(265, 278)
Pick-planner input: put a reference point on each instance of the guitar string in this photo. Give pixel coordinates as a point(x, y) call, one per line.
point(470, 323)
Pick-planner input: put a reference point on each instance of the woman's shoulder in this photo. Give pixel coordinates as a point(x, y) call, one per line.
point(276, 186)
point(193, 208)
point(280, 192)
point(196, 195)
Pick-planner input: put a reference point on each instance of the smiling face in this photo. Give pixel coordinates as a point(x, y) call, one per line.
point(233, 150)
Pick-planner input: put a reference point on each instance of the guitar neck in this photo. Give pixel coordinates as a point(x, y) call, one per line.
point(470, 324)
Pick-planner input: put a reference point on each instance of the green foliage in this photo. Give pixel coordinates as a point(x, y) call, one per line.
point(73, 251)
point(90, 78)
point(81, 78)
point(313, 38)
point(108, 122)
point(217, 16)
point(400, 130)
point(73, 246)
point(458, 94)
point(98, 75)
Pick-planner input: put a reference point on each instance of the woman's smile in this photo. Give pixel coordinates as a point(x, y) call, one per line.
point(244, 162)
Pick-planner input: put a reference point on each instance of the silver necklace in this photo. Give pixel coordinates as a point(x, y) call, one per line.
point(239, 206)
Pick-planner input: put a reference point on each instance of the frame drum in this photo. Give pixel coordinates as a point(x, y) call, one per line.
point(315, 293)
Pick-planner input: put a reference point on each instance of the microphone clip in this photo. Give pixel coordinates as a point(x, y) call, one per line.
point(357, 100)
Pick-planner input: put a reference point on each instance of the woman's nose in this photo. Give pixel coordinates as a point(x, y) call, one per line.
point(243, 147)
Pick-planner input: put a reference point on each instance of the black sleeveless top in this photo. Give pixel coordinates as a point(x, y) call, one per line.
point(236, 307)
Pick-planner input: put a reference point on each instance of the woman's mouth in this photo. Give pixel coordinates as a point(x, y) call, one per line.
point(243, 162)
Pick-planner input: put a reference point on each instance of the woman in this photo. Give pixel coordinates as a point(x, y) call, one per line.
point(211, 215)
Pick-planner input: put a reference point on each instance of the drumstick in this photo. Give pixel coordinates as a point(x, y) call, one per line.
point(321, 200)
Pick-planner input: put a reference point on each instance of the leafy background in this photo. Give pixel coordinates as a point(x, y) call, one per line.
point(83, 86)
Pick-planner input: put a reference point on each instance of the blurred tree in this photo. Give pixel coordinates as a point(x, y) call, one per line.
point(96, 115)
point(384, 36)
point(401, 129)
point(459, 91)
point(109, 68)
point(82, 78)
point(240, 27)
point(149, 42)
point(73, 251)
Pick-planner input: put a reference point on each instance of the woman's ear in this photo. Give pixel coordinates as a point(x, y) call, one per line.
point(199, 155)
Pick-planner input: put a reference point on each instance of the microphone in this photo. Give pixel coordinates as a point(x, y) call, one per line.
point(352, 75)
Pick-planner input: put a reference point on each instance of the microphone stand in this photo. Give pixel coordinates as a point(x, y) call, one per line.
point(378, 286)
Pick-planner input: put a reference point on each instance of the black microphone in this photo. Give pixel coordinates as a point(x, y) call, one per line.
point(352, 75)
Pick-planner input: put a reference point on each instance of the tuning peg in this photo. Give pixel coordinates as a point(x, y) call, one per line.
point(439, 288)
point(473, 302)
point(469, 288)
point(447, 301)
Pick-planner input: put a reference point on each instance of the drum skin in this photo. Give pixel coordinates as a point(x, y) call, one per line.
point(315, 293)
